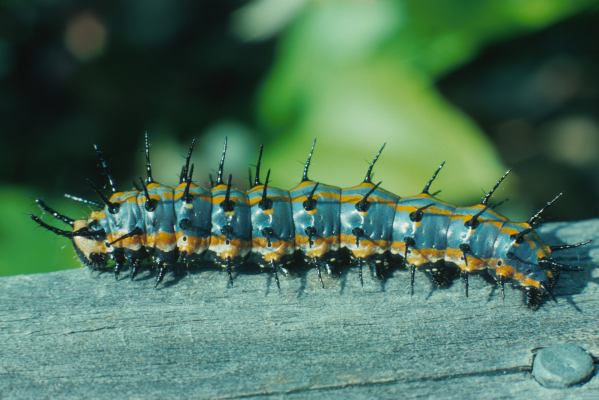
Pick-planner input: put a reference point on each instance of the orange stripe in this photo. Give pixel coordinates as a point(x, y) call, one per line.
point(163, 196)
point(354, 198)
point(117, 197)
point(161, 240)
point(192, 244)
point(97, 215)
point(348, 239)
point(526, 281)
point(361, 185)
point(431, 210)
point(260, 189)
point(505, 271)
point(220, 198)
point(465, 217)
point(302, 239)
point(142, 199)
point(304, 184)
point(272, 256)
point(256, 200)
point(220, 240)
point(263, 243)
point(279, 248)
point(180, 191)
point(319, 247)
point(156, 185)
point(234, 249)
point(326, 195)
point(204, 197)
point(419, 257)
point(132, 243)
point(428, 196)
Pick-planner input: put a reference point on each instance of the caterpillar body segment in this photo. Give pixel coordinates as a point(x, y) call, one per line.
point(314, 223)
point(231, 233)
point(316, 209)
point(420, 228)
point(192, 230)
point(367, 214)
point(273, 230)
point(159, 222)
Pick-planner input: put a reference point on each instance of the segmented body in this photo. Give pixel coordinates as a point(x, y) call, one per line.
point(317, 223)
point(179, 230)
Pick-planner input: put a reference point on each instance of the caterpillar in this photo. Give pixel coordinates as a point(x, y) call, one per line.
point(318, 225)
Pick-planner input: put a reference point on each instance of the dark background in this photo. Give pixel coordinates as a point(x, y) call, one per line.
point(483, 85)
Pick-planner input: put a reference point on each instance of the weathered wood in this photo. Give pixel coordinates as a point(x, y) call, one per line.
point(75, 334)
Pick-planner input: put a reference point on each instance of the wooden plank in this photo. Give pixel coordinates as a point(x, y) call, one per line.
point(75, 334)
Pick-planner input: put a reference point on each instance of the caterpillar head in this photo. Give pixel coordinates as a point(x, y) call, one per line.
point(91, 250)
point(88, 236)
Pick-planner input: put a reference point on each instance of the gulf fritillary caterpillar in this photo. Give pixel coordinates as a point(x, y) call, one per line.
point(159, 227)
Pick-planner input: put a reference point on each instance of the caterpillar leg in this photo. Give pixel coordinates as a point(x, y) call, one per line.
point(229, 269)
point(442, 273)
point(165, 261)
point(412, 278)
point(533, 298)
point(380, 266)
point(360, 262)
point(134, 269)
point(231, 265)
point(360, 267)
point(464, 276)
point(134, 259)
point(320, 263)
point(117, 270)
point(501, 283)
point(120, 261)
point(275, 267)
point(318, 268)
point(161, 273)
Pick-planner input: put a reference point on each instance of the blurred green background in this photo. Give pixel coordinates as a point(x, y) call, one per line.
point(485, 85)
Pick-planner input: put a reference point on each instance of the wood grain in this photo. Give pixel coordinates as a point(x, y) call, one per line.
point(75, 334)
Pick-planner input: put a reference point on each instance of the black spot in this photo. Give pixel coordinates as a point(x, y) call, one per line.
point(185, 223)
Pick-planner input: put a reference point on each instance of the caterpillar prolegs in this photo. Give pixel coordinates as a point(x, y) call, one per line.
point(315, 224)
